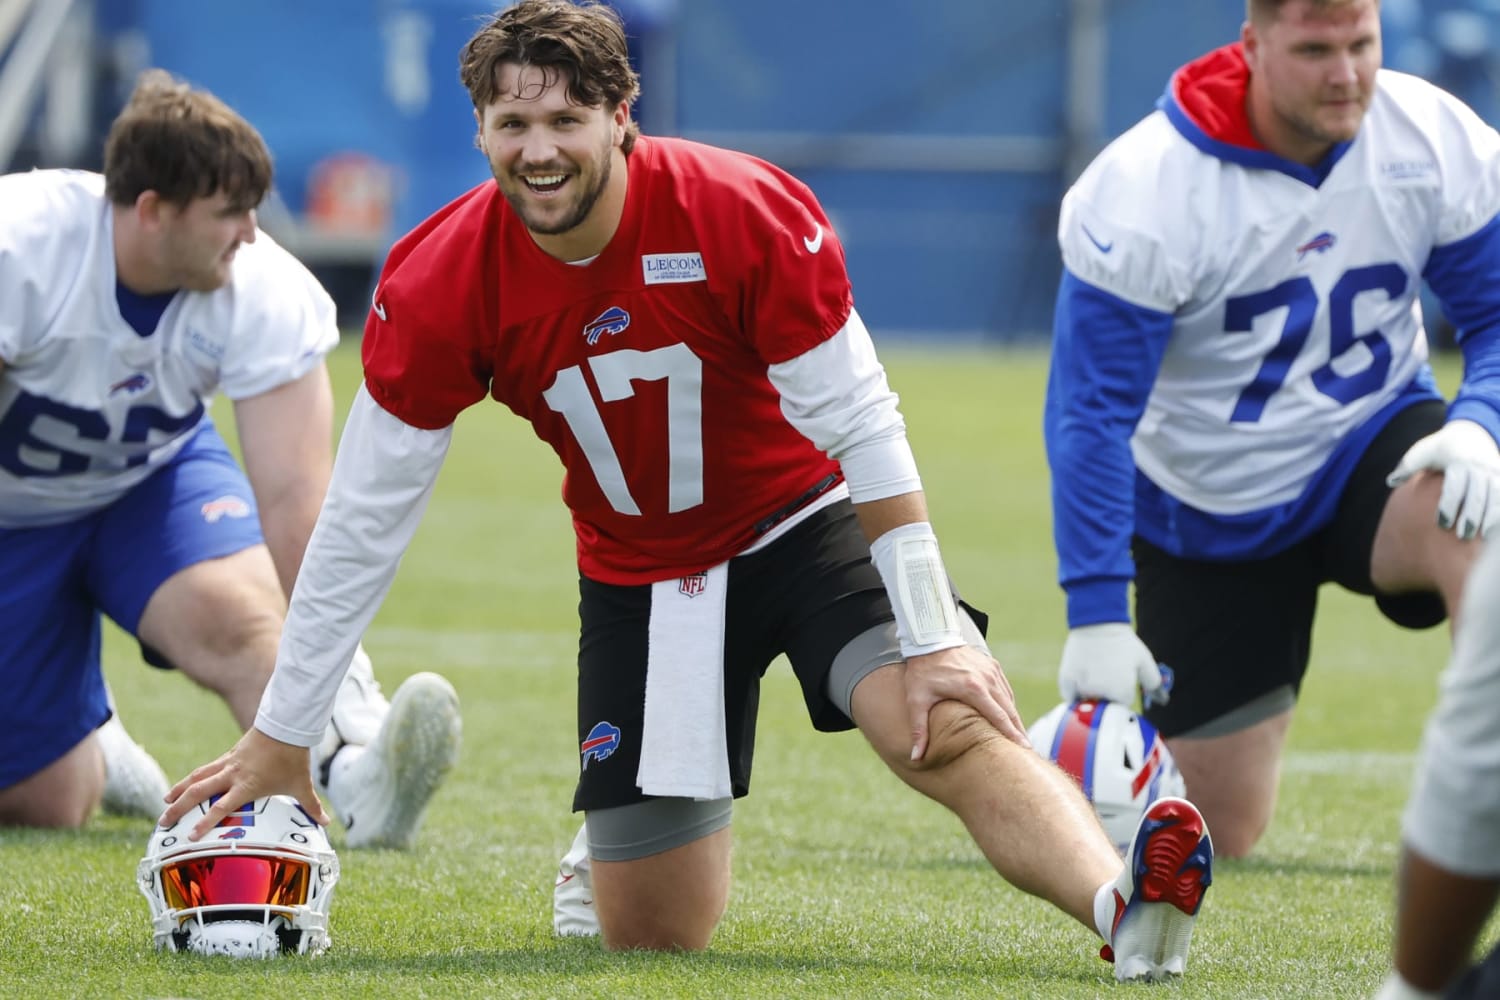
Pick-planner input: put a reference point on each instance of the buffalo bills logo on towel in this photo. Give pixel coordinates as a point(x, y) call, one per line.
point(692, 586)
point(611, 321)
point(602, 741)
point(1321, 243)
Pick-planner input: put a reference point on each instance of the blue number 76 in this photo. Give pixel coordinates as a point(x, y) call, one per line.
point(1300, 299)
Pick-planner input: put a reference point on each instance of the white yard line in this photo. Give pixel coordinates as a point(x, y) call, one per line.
point(1372, 764)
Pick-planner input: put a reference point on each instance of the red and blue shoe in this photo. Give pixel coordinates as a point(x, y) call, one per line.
point(1168, 868)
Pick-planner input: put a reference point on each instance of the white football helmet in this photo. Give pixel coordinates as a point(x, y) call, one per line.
point(1117, 757)
point(257, 885)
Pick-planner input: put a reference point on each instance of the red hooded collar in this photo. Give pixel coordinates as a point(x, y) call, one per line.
point(1212, 90)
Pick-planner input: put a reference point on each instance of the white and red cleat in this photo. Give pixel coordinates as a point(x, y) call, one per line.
point(1168, 868)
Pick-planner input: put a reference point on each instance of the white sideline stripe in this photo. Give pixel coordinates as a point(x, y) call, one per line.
point(1352, 763)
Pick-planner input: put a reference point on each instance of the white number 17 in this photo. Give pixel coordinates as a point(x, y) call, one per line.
point(614, 373)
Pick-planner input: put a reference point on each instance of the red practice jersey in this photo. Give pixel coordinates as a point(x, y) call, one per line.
point(645, 369)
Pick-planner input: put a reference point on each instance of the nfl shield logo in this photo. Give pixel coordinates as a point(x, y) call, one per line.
point(692, 586)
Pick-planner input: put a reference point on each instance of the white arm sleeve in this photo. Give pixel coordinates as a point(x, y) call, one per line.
point(837, 395)
point(383, 477)
point(1453, 816)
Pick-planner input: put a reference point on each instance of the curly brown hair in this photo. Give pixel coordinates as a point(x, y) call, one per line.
point(585, 42)
point(183, 143)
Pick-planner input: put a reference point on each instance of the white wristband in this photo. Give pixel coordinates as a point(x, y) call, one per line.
point(912, 568)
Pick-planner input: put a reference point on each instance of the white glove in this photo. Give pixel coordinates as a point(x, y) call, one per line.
point(1469, 460)
point(1107, 661)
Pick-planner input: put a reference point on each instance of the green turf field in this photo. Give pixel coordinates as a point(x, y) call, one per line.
point(847, 884)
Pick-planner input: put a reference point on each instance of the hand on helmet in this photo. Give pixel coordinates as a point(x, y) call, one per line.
point(1107, 661)
point(258, 766)
point(1466, 455)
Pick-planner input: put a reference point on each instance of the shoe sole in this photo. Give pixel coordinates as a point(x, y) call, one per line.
point(418, 745)
point(1172, 860)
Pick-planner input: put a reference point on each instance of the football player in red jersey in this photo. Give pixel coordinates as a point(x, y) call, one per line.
point(676, 321)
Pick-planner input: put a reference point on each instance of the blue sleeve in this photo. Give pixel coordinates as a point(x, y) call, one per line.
point(1465, 276)
point(1105, 356)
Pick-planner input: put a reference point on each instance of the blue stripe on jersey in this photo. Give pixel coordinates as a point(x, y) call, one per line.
point(1175, 527)
point(1261, 159)
point(1465, 276)
point(1096, 392)
point(142, 312)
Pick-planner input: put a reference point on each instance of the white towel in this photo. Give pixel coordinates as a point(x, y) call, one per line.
point(684, 753)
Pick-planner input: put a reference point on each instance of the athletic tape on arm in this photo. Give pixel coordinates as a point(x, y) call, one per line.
point(912, 568)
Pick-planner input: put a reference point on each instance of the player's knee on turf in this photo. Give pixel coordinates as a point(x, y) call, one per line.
point(656, 932)
point(67, 811)
point(1237, 820)
point(63, 795)
point(660, 872)
point(659, 913)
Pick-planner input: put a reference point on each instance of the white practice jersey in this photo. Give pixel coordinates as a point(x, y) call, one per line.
point(89, 407)
point(1295, 305)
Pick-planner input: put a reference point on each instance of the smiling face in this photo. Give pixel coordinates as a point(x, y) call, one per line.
point(1312, 74)
point(554, 160)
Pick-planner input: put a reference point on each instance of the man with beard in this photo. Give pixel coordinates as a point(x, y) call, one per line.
point(1240, 407)
point(676, 321)
point(126, 301)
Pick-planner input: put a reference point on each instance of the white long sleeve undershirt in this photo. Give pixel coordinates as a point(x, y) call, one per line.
point(837, 395)
point(382, 479)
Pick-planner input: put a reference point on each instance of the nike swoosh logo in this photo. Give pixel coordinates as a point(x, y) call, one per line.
point(816, 243)
point(1103, 247)
point(379, 310)
point(564, 879)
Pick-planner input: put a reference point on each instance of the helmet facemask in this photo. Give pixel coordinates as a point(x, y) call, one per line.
point(258, 885)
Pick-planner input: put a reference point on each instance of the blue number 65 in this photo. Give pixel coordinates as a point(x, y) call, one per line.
point(24, 453)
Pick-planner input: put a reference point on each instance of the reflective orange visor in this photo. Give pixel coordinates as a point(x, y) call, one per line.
point(237, 879)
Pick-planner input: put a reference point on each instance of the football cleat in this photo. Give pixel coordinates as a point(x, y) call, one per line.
point(1168, 868)
point(359, 708)
point(573, 913)
point(134, 783)
point(382, 795)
